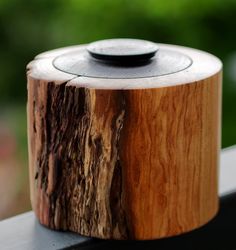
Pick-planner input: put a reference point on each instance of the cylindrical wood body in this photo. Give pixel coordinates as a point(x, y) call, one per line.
point(135, 163)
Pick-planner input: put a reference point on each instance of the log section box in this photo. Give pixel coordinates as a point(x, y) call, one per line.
point(124, 143)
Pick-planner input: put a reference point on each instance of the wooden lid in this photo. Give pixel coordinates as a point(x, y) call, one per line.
point(172, 65)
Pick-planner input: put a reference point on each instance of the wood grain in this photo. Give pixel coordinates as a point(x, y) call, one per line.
point(126, 162)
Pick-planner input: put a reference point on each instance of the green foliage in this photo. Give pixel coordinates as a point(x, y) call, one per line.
point(30, 27)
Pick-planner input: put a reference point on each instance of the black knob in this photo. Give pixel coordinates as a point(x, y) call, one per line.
point(122, 50)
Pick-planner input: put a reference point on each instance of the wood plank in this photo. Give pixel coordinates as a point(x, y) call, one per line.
point(23, 232)
point(227, 182)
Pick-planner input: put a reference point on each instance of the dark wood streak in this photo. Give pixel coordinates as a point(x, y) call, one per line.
point(74, 162)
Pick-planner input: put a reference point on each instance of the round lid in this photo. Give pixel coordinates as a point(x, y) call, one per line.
point(122, 59)
point(171, 65)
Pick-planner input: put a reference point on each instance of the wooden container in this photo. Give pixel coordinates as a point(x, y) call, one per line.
point(129, 157)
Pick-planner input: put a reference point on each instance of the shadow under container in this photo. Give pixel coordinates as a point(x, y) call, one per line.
point(125, 147)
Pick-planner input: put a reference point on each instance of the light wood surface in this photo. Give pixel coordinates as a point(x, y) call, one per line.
point(120, 159)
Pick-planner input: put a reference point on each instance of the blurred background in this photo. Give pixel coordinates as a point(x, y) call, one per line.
point(30, 27)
